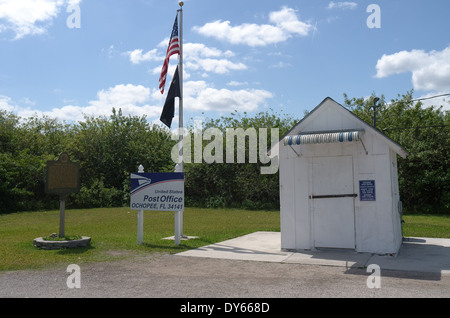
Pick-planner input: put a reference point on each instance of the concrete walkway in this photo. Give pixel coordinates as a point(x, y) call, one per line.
point(426, 255)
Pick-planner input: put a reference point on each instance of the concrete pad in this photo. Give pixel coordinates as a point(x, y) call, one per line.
point(259, 246)
point(330, 257)
point(416, 254)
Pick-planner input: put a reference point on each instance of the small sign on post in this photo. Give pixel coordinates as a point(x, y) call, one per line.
point(158, 192)
point(63, 178)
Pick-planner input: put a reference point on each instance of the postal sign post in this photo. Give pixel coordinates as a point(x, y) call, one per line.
point(157, 192)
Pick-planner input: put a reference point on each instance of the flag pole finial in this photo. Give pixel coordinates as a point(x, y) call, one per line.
point(181, 3)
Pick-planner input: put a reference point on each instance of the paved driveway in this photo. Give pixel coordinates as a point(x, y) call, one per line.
point(195, 278)
point(425, 255)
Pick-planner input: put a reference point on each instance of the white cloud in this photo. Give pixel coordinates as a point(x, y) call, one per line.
point(137, 56)
point(197, 57)
point(132, 99)
point(430, 70)
point(6, 103)
point(30, 17)
point(200, 96)
point(286, 19)
point(138, 100)
point(431, 100)
point(216, 66)
point(285, 24)
point(400, 62)
point(281, 64)
point(121, 95)
point(236, 83)
point(346, 5)
point(200, 50)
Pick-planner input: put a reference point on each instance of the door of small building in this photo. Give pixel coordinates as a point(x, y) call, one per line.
point(333, 207)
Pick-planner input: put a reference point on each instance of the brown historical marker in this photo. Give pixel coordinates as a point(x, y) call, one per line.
point(63, 178)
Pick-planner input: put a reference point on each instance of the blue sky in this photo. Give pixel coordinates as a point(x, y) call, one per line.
point(239, 55)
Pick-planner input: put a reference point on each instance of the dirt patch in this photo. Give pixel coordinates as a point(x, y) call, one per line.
point(119, 253)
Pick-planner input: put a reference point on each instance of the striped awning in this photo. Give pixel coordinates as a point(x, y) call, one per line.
point(323, 138)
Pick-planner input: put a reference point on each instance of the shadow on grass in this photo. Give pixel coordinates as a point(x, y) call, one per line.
point(168, 248)
point(169, 245)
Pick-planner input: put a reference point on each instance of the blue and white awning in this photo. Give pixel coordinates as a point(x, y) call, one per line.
point(323, 138)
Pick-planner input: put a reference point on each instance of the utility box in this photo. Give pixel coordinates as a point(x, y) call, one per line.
point(339, 184)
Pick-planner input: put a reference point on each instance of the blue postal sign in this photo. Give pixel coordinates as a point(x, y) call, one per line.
point(367, 190)
point(157, 191)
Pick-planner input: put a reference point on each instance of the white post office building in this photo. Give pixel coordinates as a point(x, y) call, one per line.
point(339, 184)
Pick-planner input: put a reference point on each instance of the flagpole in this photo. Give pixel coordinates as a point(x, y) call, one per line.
point(180, 73)
point(179, 215)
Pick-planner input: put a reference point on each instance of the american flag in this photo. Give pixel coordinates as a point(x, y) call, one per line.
point(174, 48)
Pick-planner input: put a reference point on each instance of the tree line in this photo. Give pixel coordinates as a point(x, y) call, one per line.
point(110, 148)
point(424, 176)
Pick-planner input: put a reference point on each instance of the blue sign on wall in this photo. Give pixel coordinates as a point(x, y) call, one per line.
point(367, 190)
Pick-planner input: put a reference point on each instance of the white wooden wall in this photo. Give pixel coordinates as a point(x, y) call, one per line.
point(377, 224)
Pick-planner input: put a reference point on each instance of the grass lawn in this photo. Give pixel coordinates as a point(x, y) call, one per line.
point(437, 226)
point(114, 233)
